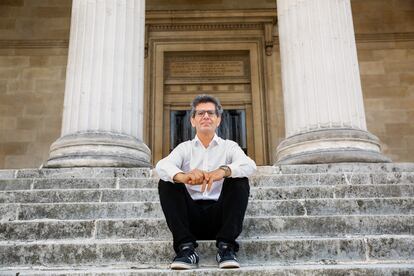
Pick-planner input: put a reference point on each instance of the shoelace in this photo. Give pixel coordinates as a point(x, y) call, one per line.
point(188, 253)
point(227, 252)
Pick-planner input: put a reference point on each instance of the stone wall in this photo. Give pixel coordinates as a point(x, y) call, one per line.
point(33, 55)
point(385, 35)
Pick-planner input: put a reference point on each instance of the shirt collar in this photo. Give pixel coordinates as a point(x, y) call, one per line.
point(216, 140)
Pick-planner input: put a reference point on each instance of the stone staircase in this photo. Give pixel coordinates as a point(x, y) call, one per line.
point(353, 219)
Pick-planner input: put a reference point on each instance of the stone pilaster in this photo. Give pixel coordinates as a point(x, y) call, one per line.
point(324, 112)
point(103, 105)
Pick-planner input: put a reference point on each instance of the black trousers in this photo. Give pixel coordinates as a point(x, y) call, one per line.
point(191, 220)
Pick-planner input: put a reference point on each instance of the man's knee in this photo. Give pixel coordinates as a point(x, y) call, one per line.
point(237, 184)
point(165, 187)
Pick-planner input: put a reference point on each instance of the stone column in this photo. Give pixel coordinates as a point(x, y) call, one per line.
point(324, 111)
point(103, 105)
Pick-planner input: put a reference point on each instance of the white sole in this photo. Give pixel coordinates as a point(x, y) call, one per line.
point(182, 266)
point(229, 264)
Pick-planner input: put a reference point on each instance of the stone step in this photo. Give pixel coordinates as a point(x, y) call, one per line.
point(256, 193)
point(145, 172)
point(254, 227)
point(377, 269)
point(276, 180)
point(264, 251)
point(310, 207)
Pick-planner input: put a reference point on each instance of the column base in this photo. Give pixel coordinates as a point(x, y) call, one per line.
point(331, 146)
point(98, 149)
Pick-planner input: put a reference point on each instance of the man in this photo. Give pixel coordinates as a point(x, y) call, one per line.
point(204, 189)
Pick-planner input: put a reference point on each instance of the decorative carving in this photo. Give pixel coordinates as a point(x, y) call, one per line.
point(146, 41)
point(268, 34)
point(204, 27)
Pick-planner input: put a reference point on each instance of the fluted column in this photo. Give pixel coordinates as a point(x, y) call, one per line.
point(324, 112)
point(103, 105)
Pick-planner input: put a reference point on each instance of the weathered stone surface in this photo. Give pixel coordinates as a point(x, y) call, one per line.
point(393, 178)
point(45, 196)
point(74, 183)
point(255, 270)
point(310, 179)
point(256, 208)
point(384, 248)
point(380, 206)
point(255, 227)
point(42, 230)
point(7, 174)
point(128, 195)
point(256, 193)
point(139, 210)
point(366, 191)
point(345, 168)
point(134, 183)
point(269, 251)
point(8, 212)
point(75, 211)
point(15, 184)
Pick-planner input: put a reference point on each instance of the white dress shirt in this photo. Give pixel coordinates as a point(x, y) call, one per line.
point(192, 154)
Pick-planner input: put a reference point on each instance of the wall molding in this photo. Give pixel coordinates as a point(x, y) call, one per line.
point(33, 43)
point(62, 43)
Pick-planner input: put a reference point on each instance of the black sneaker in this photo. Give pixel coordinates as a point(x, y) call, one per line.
point(226, 257)
point(186, 258)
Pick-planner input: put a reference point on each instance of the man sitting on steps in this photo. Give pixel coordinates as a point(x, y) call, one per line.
point(204, 189)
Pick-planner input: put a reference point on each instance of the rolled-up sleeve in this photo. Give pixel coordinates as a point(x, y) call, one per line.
point(240, 164)
point(168, 167)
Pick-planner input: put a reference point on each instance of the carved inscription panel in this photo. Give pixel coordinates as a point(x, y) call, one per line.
point(179, 69)
point(201, 66)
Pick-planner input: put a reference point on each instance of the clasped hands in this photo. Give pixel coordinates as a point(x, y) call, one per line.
point(199, 177)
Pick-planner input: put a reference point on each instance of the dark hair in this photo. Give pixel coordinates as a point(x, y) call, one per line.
point(206, 99)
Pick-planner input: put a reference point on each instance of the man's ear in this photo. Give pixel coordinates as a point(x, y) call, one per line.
point(218, 121)
point(192, 120)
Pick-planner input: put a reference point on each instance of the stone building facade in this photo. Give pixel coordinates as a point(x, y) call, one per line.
point(255, 57)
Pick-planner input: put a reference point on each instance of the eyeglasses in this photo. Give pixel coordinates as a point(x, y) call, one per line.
point(210, 113)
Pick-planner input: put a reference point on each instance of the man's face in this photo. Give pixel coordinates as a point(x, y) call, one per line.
point(205, 120)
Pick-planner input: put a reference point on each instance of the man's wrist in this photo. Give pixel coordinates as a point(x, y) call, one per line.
point(227, 170)
point(176, 177)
